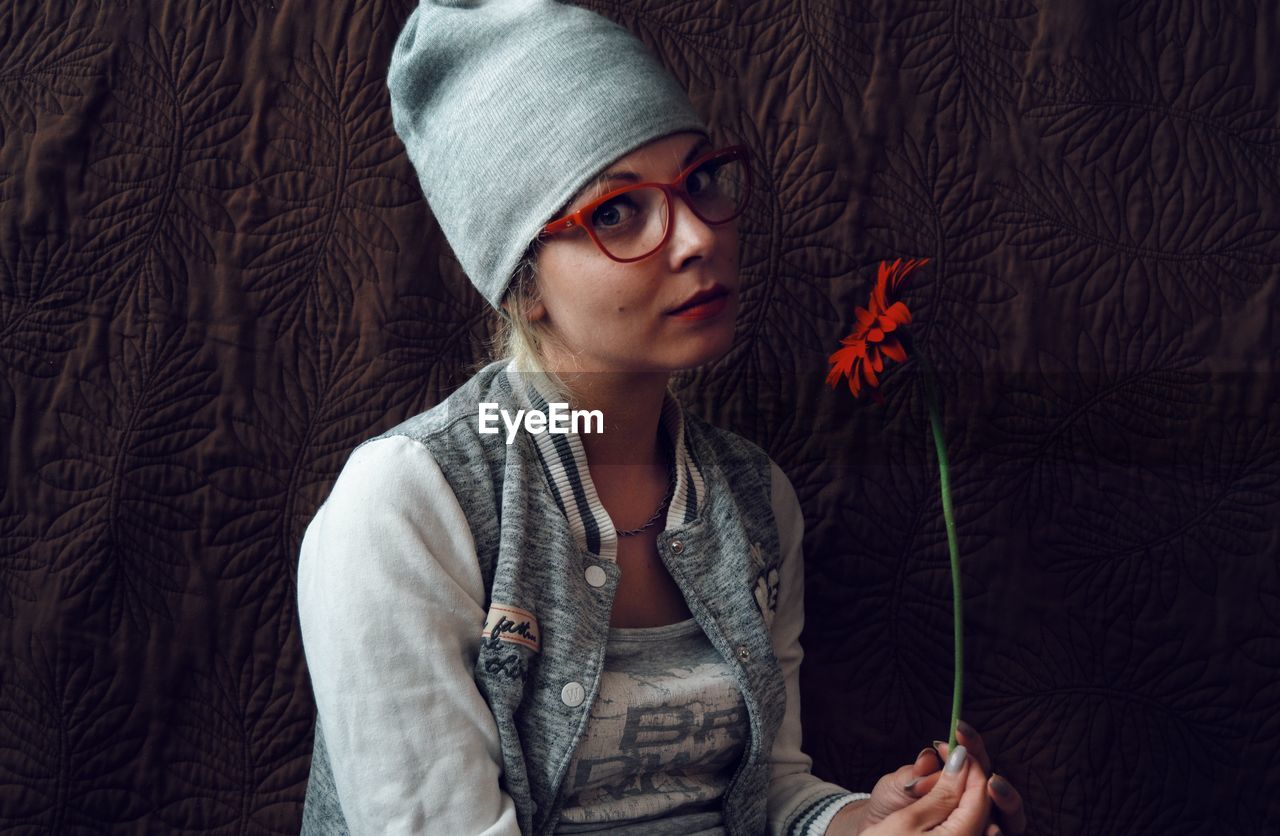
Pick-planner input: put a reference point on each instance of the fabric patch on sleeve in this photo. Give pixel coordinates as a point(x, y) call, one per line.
point(513, 624)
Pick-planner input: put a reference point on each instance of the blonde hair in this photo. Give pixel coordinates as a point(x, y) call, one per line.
point(521, 341)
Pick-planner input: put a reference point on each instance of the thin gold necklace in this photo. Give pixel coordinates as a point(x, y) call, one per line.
point(671, 486)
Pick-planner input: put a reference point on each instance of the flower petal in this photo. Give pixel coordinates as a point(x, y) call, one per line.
point(894, 350)
point(855, 382)
point(841, 364)
point(897, 312)
point(870, 374)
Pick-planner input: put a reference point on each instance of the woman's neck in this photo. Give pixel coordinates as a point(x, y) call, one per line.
point(632, 407)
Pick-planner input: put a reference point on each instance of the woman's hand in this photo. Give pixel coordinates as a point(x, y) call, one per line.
point(1007, 812)
point(890, 793)
point(898, 790)
point(957, 805)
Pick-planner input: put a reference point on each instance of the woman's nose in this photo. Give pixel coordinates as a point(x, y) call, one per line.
point(688, 229)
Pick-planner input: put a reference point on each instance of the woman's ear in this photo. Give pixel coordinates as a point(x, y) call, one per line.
point(533, 313)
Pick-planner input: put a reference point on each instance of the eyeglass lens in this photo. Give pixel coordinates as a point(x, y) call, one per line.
point(633, 224)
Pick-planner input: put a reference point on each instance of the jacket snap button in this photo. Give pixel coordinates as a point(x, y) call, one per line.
point(743, 653)
point(596, 576)
point(573, 694)
point(677, 547)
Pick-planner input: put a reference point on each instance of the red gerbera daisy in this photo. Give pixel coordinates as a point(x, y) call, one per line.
point(874, 334)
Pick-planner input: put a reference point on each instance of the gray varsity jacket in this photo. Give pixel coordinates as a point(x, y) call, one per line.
point(530, 625)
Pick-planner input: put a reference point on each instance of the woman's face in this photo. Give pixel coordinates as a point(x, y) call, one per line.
point(617, 317)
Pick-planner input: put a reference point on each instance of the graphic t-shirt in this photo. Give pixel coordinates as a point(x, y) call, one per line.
point(663, 738)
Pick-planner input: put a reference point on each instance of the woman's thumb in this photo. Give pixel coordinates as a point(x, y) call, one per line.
point(941, 801)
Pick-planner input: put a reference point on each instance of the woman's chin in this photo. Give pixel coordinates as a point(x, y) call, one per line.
point(710, 346)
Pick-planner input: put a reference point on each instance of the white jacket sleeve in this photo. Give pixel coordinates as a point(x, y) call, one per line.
point(391, 605)
point(800, 804)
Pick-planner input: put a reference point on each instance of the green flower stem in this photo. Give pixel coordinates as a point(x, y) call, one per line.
point(953, 546)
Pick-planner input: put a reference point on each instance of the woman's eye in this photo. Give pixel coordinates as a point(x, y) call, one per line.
point(613, 213)
point(702, 178)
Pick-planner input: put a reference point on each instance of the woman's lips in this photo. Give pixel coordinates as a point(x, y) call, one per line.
point(706, 310)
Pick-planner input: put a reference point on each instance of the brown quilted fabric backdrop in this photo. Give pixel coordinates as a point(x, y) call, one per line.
point(218, 275)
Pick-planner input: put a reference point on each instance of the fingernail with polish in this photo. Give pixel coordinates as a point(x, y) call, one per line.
point(925, 751)
point(910, 785)
point(969, 731)
point(956, 762)
point(937, 744)
point(1001, 786)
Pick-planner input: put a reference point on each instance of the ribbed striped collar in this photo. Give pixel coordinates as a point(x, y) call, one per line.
point(564, 460)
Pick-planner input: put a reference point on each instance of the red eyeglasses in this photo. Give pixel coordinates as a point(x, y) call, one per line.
point(633, 222)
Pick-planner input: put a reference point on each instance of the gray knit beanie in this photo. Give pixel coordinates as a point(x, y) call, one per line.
point(508, 108)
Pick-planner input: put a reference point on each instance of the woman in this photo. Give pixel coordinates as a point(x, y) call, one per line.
point(511, 629)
